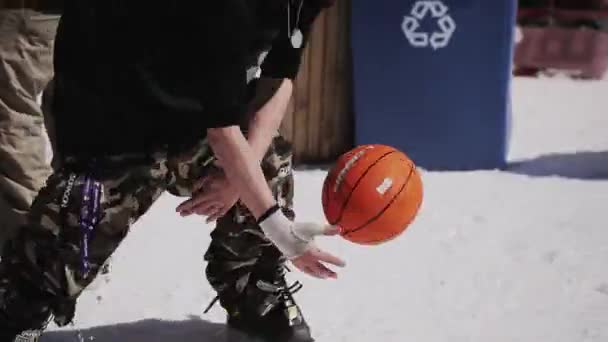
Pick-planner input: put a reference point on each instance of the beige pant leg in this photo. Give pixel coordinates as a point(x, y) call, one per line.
point(26, 42)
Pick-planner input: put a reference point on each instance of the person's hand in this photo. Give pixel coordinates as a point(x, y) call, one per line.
point(312, 260)
point(213, 196)
point(297, 242)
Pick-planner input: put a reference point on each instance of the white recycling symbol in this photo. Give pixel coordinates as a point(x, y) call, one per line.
point(438, 11)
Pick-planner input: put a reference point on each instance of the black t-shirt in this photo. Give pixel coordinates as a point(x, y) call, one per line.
point(274, 30)
point(134, 76)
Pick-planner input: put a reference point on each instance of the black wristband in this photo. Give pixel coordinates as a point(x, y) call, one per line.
point(268, 212)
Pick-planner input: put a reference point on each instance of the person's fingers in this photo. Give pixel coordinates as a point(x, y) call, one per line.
point(221, 211)
point(208, 208)
point(186, 206)
point(331, 230)
point(191, 202)
point(199, 184)
point(200, 200)
point(308, 230)
point(317, 270)
point(309, 265)
point(312, 272)
point(324, 271)
point(329, 258)
point(301, 265)
point(209, 182)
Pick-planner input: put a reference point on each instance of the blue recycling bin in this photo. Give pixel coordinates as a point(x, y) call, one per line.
point(432, 78)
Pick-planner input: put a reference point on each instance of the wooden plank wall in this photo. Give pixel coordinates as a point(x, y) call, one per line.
point(319, 121)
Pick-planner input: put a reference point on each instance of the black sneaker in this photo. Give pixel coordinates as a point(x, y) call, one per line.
point(23, 330)
point(24, 336)
point(27, 336)
point(267, 312)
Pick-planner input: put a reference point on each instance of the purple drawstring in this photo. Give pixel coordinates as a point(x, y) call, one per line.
point(89, 217)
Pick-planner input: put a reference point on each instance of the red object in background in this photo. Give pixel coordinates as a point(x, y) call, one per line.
point(581, 51)
point(582, 4)
point(568, 17)
point(534, 16)
point(555, 16)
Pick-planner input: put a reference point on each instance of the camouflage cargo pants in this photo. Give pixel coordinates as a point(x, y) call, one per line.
point(42, 270)
point(26, 41)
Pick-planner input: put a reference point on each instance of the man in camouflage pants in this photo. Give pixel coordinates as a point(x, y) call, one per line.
point(102, 186)
point(130, 187)
point(244, 267)
point(26, 41)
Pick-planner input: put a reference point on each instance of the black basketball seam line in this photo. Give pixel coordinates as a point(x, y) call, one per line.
point(412, 168)
point(372, 219)
point(407, 161)
point(337, 222)
point(345, 204)
point(390, 236)
point(371, 242)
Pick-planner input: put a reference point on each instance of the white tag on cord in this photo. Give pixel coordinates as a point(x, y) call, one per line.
point(296, 39)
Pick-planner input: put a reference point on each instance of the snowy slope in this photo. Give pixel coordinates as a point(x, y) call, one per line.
point(512, 256)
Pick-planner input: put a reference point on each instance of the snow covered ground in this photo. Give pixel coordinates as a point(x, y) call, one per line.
point(511, 256)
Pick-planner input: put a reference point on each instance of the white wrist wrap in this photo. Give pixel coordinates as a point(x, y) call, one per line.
point(283, 233)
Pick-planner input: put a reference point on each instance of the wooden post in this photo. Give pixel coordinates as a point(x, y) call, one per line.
point(319, 121)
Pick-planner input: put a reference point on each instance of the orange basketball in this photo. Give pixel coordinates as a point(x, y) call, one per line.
point(373, 193)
